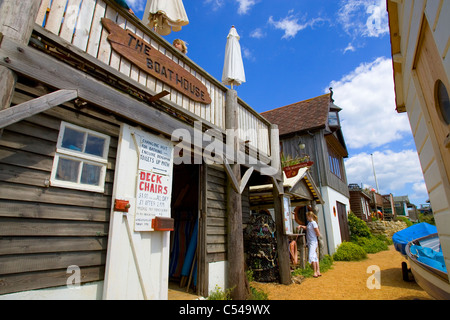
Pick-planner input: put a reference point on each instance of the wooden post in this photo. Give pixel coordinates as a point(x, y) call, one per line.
point(17, 19)
point(236, 272)
point(282, 239)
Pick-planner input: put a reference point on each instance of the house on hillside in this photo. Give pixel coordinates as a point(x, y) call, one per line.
point(404, 208)
point(420, 37)
point(359, 202)
point(312, 128)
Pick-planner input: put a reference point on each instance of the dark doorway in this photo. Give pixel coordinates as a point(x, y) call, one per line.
point(343, 221)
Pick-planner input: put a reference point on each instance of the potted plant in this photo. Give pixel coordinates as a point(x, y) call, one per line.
point(292, 165)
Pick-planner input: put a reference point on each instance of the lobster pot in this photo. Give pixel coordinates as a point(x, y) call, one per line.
point(260, 247)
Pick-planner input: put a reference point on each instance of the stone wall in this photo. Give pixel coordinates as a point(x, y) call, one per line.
point(387, 228)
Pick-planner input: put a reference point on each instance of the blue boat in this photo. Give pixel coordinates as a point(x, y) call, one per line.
point(428, 266)
point(416, 231)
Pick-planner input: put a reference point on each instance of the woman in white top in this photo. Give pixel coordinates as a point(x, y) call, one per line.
point(312, 235)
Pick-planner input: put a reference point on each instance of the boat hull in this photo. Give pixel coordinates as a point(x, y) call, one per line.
point(436, 287)
point(432, 280)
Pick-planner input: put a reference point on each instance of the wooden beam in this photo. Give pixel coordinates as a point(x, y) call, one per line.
point(236, 261)
point(16, 22)
point(229, 171)
point(35, 106)
point(158, 96)
point(245, 179)
point(282, 239)
point(278, 191)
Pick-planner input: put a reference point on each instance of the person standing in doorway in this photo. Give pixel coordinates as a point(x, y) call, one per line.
point(312, 236)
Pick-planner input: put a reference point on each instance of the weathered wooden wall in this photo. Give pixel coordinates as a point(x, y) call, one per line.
point(45, 229)
point(316, 147)
point(216, 229)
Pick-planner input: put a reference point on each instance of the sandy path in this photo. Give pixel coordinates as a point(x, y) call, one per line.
point(348, 281)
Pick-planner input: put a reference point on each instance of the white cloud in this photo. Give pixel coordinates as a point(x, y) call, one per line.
point(367, 18)
point(248, 54)
point(257, 34)
point(367, 98)
point(216, 4)
point(137, 5)
point(396, 172)
point(350, 47)
point(291, 26)
point(245, 5)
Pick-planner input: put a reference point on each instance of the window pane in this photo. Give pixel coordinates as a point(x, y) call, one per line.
point(333, 119)
point(95, 145)
point(443, 101)
point(73, 139)
point(91, 174)
point(68, 170)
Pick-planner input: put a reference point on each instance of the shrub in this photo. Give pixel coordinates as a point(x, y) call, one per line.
point(325, 264)
point(428, 218)
point(358, 228)
point(384, 238)
point(349, 251)
point(219, 294)
point(405, 220)
point(372, 245)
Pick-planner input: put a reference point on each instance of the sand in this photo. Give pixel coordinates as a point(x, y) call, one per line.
point(348, 281)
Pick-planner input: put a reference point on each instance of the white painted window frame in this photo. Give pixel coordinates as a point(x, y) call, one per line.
point(80, 156)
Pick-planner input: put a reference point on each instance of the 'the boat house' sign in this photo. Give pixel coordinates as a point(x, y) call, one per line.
point(153, 62)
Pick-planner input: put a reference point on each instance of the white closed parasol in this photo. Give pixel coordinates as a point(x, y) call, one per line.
point(165, 16)
point(233, 69)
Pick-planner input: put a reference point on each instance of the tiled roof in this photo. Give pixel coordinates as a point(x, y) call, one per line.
point(303, 115)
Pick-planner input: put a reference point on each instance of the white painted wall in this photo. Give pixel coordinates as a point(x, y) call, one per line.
point(327, 220)
point(90, 291)
point(217, 275)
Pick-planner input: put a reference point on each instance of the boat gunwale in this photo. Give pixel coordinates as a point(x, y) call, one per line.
point(444, 276)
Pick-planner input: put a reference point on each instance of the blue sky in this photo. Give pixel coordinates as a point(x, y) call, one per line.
point(296, 50)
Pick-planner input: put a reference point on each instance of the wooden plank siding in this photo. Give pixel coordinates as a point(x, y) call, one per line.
point(216, 202)
point(317, 148)
point(44, 229)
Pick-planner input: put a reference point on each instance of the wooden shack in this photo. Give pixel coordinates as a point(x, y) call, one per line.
point(360, 202)
point(114, 149)
point(420, 53)
point(312, 128)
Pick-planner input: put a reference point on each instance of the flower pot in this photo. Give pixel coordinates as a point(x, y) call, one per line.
point(292, 171)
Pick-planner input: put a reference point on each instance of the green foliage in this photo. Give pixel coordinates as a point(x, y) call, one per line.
point(372, 245)
point(219, 294)
point(405, 220)
point(349, 251)
point(325, 264)
point(255, 294)
point(429, 218)
point(358, 228)
point(385, 238)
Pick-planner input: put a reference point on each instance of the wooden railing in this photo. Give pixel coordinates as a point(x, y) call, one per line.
point(78, 22)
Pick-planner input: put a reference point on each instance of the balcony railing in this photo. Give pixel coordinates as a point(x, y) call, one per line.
point(78, 23)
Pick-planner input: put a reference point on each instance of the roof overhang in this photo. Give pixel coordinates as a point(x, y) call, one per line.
point(398, 59)
point(300, 188)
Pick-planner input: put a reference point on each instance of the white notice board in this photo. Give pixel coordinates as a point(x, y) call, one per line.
point(287, 216)
point(154, 180)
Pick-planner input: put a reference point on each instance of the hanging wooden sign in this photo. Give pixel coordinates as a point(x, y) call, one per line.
point(155, 63)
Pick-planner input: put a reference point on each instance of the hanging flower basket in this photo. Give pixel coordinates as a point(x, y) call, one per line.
point(292, 166)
